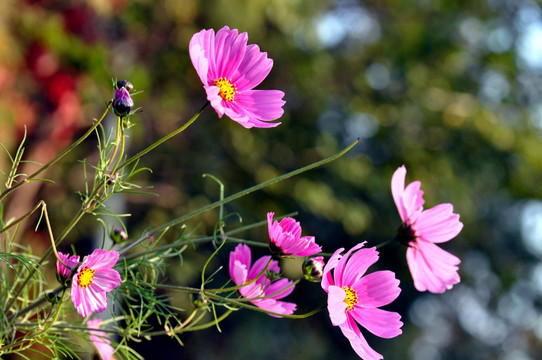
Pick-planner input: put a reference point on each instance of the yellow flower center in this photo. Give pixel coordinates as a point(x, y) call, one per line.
point(85, 277)
point(351, 298)
point(227, 89)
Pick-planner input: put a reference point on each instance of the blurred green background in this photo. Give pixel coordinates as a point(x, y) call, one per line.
point(452, 89)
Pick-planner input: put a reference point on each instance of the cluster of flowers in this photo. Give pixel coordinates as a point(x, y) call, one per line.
point(229, 70)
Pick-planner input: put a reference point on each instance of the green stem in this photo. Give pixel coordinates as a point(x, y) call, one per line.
point(15, 222)
point(45, 329)
point(162, 140)
point(384, 243)
point(59, 156)
point(62, 236)
point(34, 305)
point(238, 195)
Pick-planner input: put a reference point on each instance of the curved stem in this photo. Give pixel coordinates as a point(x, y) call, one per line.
point(34, 305)
point(59, 156)
point(162, 140)
point(237, 196)
point(15, 222)
point(45, 329)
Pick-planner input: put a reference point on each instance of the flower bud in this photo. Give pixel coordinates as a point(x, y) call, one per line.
point(313, 268)
point(53, 298)
point(118, 235)
point(198, 301)
point(125, 84)
point(62, 271)
point(122, 103)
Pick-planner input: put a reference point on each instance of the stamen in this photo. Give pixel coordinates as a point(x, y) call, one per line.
point(227, 89)
point(351, 298)
point(85, 277)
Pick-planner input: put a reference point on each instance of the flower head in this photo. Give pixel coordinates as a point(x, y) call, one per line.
point(70, 260)
point(264, 291)
point(432, 268)
point(93, 280)
point(355, 298)
point(100, 341)
point(122, 102)
point(286, 238)
point(229, 70)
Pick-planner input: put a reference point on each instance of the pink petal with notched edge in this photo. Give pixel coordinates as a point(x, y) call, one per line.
point(199, 53)
point(106, 280)
point(351, 331)
point(238, 272)
point(408, 200)
point(264, 105)
point(100, 259)
point(279, 289)
point(432, 268)
point(338, 273)
point(230, 50)
point(259, 268)
point(306, 247)
point(336, 305)
point(358, 264)
point(281, 307)
point(327, 276)
point(253, 69)
point(70, 260)
point(100, 340)
point(377, 289)
point(438, 224)
point(239, 263)
point(382, 323)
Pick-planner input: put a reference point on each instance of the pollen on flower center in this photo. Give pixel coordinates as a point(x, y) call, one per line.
point(85, 277)
point(227, 89)
point(351, 298)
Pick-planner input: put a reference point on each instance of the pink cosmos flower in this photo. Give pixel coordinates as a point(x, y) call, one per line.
point(93, 280)
point(286, 238)
point(432, 268)
point(229, 70)
point(100, 340)
point(353, 298)
point(70, 260)
point(264, 290)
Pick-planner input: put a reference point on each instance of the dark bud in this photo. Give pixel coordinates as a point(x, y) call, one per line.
point(122, 103)
point(53, 298)
point(118, 235)
point(112, 178)
point(125, 84)
point(313, 268)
